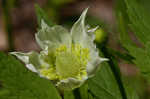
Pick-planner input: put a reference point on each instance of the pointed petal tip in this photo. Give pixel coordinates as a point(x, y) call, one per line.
point(104, 59)
point(85, 12)
point(86, 9)
point(31, 67)
point(16, 53)
point(44, 24)
point(12, 53)
point(22, 56)
point(93, 29)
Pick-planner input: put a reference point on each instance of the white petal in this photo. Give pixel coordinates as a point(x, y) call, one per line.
point(78, 30)
point(31, 58)
point(31, 67)
point(44, 25)
point(94, 65)
point(104, 59)
point(22, 56)
point(93, 30)
point(84, 37)
point(55, 34)
point(70, 83)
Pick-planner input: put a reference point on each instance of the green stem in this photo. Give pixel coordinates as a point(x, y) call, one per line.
point(8, 25)
point(116, 71)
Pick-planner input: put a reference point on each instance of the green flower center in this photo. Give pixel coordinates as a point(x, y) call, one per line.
point(68, 63)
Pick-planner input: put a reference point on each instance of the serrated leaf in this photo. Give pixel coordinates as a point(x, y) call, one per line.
point(19, 83)
point(139, 23)
point(139, 18)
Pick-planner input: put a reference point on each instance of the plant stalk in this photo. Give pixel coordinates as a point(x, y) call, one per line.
point(8, 25)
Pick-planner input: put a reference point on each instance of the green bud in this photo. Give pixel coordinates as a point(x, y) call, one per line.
point(100, 35)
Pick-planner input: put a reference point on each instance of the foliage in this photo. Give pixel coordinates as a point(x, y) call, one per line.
point(19, 83)
point(139, 23)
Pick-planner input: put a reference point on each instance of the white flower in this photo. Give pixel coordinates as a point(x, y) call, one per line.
point(67, 59)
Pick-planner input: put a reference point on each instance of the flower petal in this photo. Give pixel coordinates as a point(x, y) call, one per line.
point(81, 35)
point(93, 66)
point(70, 84)
point(56, 34)
point(47, 56)
point(31, 67)
point(78, 30)
point(31, 59)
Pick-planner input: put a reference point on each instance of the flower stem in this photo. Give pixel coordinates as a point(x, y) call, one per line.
point(8, 25)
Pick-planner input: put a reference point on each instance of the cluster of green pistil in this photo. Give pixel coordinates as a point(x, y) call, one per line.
point(68, 62)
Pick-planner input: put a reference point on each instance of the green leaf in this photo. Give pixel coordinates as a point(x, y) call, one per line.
point(139, 23)
point(139, 17)
point(104, 85)
point(122, 55)
point(91, 97)
point(131, 93)
point(135, 87)
point(68, 95)
point(17, 82)
point(125, 39)
point(41, 15)
point(84, 91)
